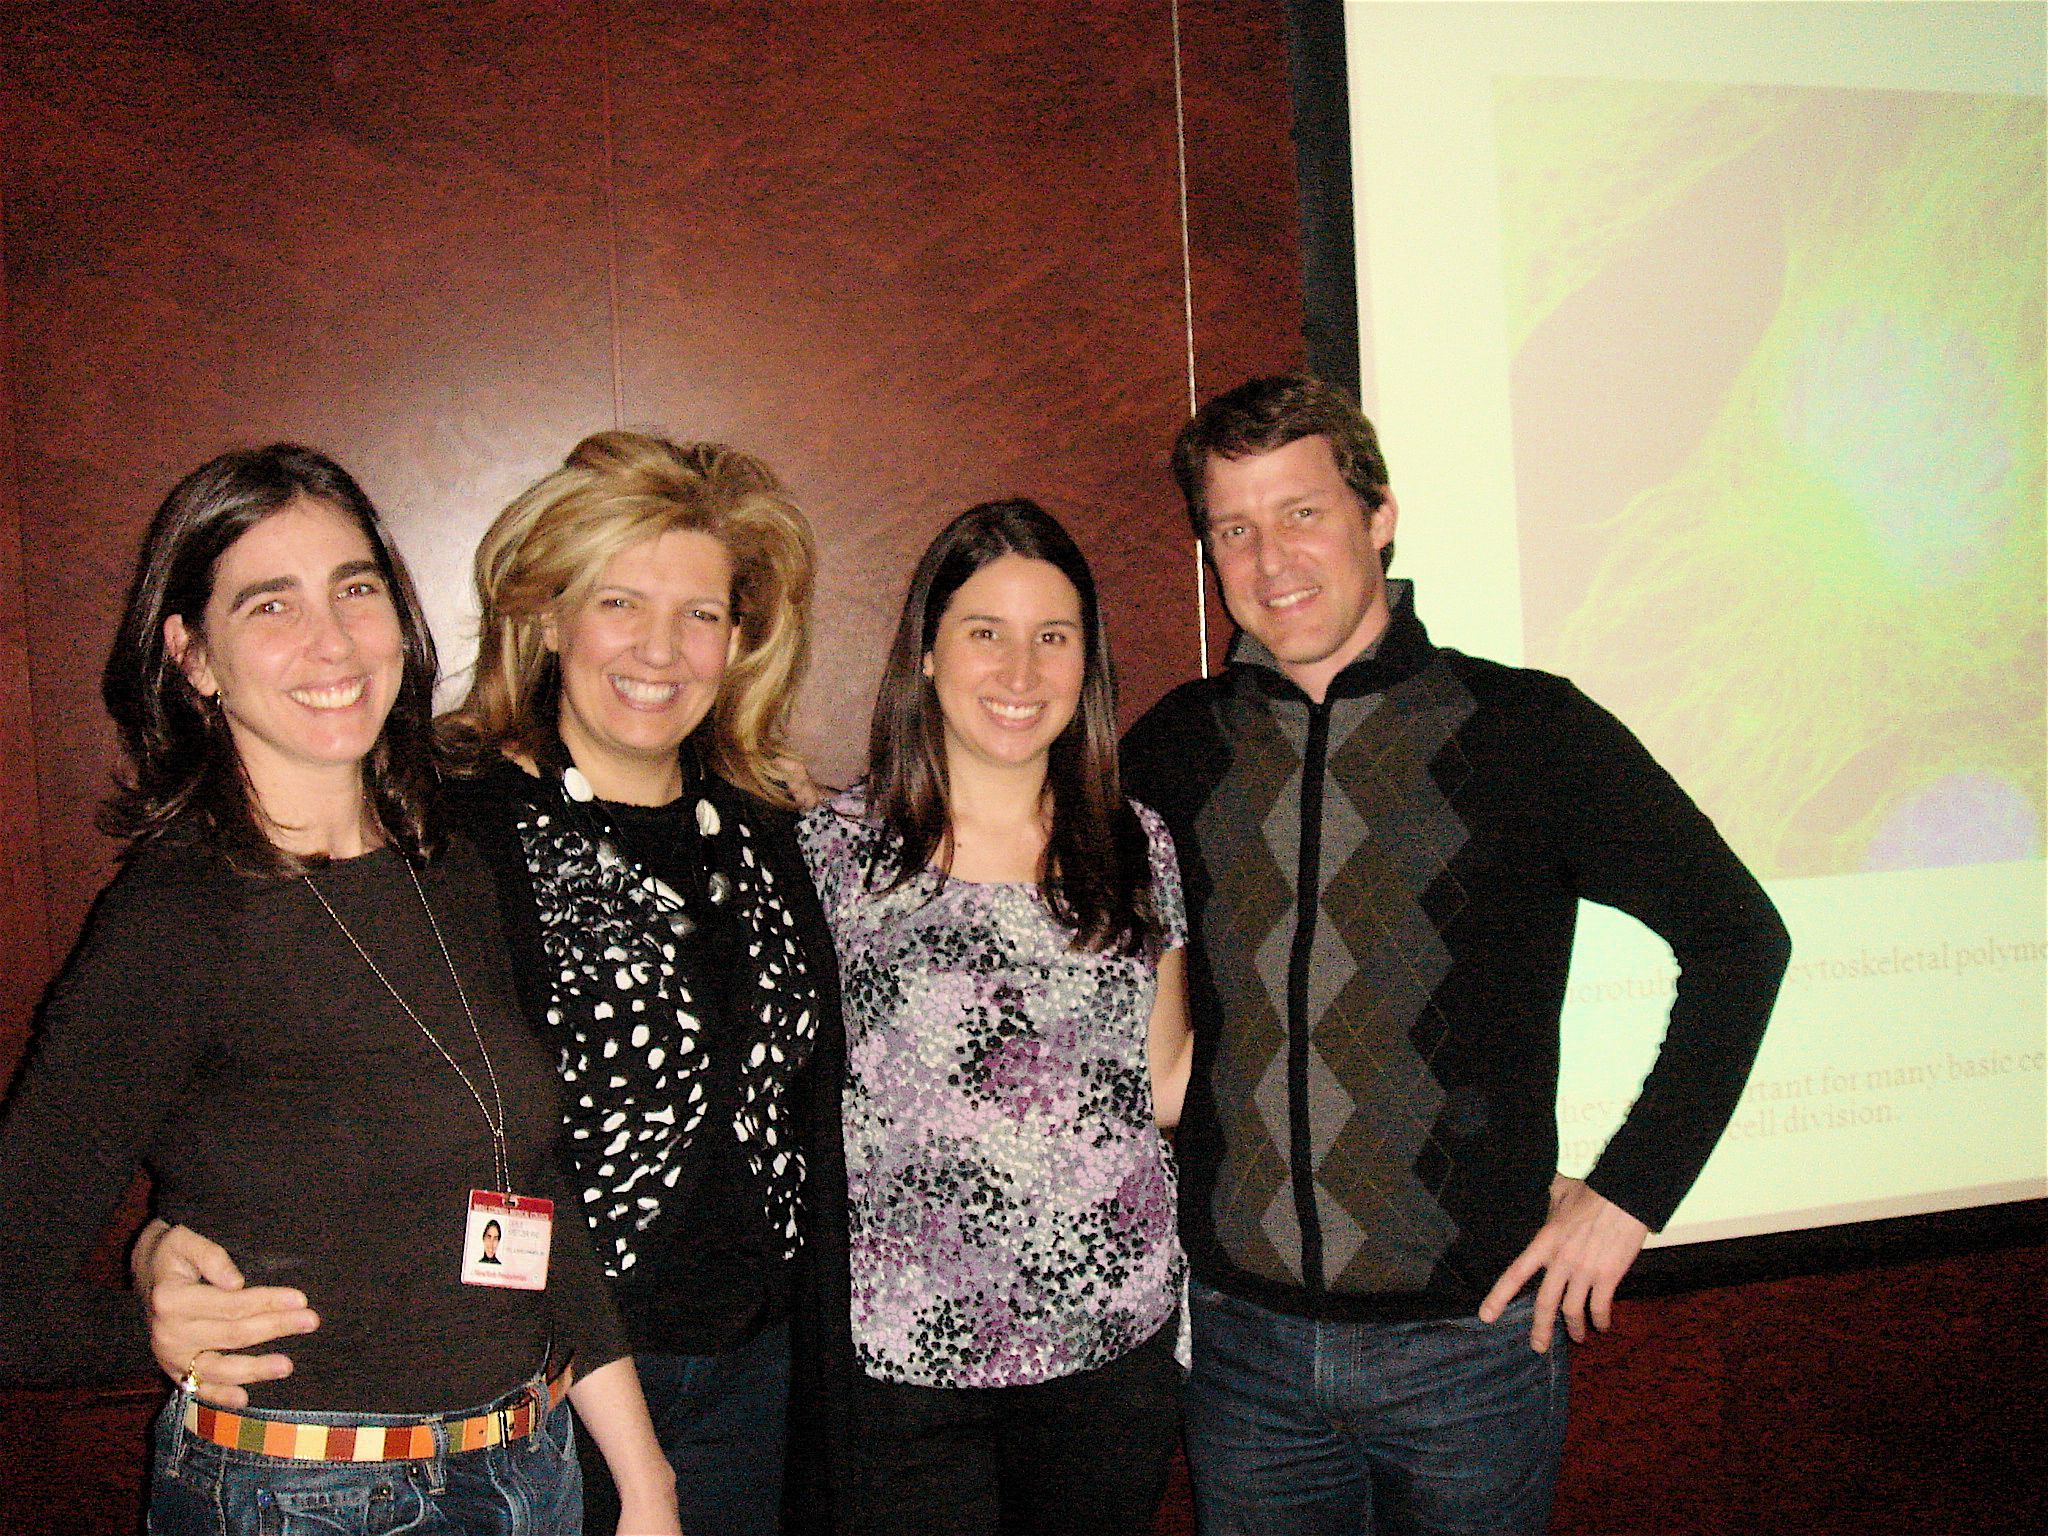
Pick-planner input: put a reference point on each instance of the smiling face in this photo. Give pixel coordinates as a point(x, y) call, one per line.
point(642, 655)
point(301, 646)
point(1007, 663)
point(1297, 554)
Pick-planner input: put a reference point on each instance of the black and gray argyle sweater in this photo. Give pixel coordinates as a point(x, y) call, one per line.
point(1382, 889)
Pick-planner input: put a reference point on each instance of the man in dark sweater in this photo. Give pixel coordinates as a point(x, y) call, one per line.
point(1384, 844)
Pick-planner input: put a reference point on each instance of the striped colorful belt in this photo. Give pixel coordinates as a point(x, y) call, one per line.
point(407, 1441)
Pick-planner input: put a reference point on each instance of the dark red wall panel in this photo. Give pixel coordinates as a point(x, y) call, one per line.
point(368, 228)
point(1244, 235)
point(24, 926)
point(1904, 1401)
point(917, 255)
point(1246, 239)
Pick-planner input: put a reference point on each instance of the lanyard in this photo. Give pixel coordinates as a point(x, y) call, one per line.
point(500, 1160)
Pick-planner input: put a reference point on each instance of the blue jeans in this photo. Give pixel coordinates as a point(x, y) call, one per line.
point(1304, 1428)
point(529, 1487)
point(723, 1421)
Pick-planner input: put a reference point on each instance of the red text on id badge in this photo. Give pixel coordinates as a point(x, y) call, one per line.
point(505, 1240)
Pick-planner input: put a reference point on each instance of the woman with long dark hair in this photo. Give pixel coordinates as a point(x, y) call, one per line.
point(1009, 932)
point(293, 1006)
point(644, 616)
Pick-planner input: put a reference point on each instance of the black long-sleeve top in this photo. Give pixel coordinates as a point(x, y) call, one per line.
point(749, 1203)
point(1382, 889)
point(222, 1031)
point(688, 1032)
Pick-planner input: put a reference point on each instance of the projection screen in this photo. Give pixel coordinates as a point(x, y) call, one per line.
point(1705, 341)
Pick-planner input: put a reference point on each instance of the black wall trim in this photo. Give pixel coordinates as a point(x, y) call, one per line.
point(1322, 158)
point(1835, 1250)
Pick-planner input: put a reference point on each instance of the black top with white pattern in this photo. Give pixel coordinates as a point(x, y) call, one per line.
point(681, 1024)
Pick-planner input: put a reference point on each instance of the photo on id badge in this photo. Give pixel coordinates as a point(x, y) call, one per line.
point(505, 1242)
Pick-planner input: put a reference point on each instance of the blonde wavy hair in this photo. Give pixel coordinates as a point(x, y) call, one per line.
point(548, 549)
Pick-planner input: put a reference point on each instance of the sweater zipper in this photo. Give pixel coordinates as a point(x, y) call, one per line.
point(1308, 908)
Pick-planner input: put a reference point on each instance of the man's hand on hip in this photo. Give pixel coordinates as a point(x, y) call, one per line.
point(1584, 1249)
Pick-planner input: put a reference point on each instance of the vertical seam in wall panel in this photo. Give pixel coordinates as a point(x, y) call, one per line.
point(1187, 306)
point(1187, 268)
point(31, 883)
point(611, 211)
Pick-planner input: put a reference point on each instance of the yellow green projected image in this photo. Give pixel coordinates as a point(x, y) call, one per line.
point(1778, 417)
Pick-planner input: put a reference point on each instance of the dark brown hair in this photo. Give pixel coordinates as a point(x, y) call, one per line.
point(181, 757)
point(1261, 415)
point(1097, 878)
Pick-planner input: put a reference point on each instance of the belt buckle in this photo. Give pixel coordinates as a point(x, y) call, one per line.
point(533, 1398)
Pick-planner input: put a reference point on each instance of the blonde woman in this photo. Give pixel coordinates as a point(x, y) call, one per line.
point(644, 613)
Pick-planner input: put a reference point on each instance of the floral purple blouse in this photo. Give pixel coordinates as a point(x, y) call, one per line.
point(1012, 1200)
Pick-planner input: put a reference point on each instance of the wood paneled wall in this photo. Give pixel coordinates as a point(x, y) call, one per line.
point(24, 929)
point(1908, 1400)
point(917, 255)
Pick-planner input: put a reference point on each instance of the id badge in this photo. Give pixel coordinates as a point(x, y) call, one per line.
point(505, 1242)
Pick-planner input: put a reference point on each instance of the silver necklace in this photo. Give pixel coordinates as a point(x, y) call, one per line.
point(500, 1160)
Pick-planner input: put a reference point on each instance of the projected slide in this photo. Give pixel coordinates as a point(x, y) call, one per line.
point(1760, 291)
point(1830, 519)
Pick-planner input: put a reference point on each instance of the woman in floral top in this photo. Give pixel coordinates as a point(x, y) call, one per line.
point(1009, 930)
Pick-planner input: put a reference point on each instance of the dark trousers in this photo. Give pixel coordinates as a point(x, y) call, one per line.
point(721, 1420)
point(1082, 1455)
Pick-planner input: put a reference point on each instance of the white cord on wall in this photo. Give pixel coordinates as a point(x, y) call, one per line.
point(1187, 299)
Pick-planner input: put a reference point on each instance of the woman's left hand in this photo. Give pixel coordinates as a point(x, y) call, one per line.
point(794, 775)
